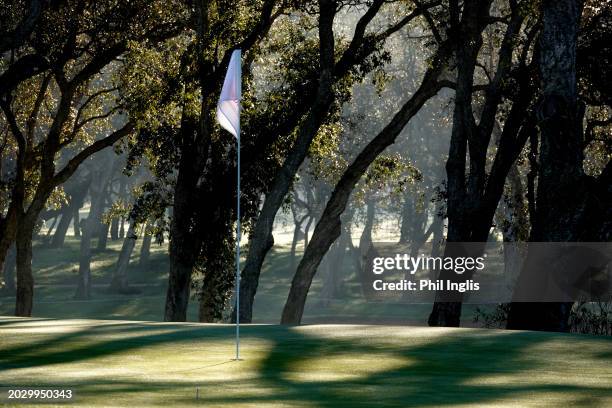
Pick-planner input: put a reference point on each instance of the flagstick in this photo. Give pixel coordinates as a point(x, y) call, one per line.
point(228, 115)
point(238, 255)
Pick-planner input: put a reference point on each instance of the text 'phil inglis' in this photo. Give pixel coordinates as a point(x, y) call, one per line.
point(426, 285)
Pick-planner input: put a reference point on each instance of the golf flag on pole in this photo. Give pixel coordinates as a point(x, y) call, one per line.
point(228, 108)
point(228, 115)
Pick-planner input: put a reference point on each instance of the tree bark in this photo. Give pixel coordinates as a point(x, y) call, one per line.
point(8, 230)
point(25, 280)
point(122, 228)
point(51, 228)
point(213, 296)
point(185, 244)
point(62, 229)
point(297, 231)
point(407, 214)
point(103, 236)
point(365, 242)
point(76, 221)
point(8, 273)
point(145, 250)
point(336, 259)
point(119, 281)
point(562, 191)
point(114, 228)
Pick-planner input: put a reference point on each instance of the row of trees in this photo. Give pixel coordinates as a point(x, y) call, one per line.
point(530, 113)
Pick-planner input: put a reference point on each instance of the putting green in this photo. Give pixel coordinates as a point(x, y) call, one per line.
point(120, 363)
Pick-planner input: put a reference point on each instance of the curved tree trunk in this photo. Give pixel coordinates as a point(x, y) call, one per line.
point(261, 239)
point(119, 281)
point(329, 226)
point(51, 228)
point(62, 229)
point(307, 230)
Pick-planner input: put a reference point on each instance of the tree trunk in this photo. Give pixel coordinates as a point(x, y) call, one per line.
point(365, 242)
point(307, 230)
point(25, 280)
point(119, 282)
point(438, 231)
point(8, 273)
point(214, 294)
point(297, 231)
point(408, 213)
point(329, 226)
point(562, 191)
point(335, 262)
point(145, 250)
point(76, 221)
point(62, 229)
point(70, 213)
point(83, 290)
point(90, 228)
point(8, 230)
point(114, 229)
point(51, 228)
point(515, 230)
point(103, 236)
point(185, 244)
point(122, 228)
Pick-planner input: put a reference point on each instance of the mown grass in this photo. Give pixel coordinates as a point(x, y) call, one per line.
point(118, 363)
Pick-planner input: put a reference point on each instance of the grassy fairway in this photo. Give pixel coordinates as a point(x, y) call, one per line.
point(116, 363)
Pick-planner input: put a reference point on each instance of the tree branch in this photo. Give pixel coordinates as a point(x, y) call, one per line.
point(79, 126)
point(98, 145)
point(90, 99)
point(24, 68)
point(25, 27)
point(12, 122)
point(504, 64)
point(32, 118)
point(430, 21)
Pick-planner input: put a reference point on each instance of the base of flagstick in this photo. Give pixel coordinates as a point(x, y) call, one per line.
point(237, 359)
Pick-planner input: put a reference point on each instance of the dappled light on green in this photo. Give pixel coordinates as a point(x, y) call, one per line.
point(153, 364)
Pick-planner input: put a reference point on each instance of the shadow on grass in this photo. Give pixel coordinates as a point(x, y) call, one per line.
point(82, 344)
point(447, 371)
point(460, 367)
